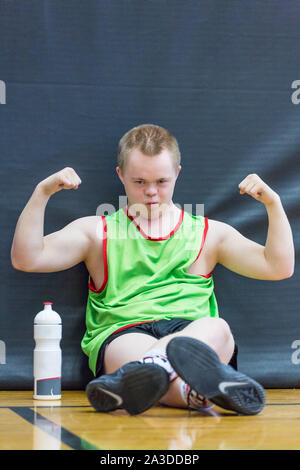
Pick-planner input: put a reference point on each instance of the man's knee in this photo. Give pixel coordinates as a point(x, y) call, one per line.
point(214, 327)
point(213, 331)
point(222, 329)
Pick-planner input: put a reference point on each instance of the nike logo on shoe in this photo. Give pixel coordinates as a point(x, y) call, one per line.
point(224, 385)
point(118, 399)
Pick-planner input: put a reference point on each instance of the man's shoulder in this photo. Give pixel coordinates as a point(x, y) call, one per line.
point(216, 230)
point(92, 226)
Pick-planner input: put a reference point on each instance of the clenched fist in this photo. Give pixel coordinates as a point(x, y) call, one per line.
point(63, 179)
point(258, 189)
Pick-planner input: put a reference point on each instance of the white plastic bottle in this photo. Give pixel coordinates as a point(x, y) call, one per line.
point(47, 357)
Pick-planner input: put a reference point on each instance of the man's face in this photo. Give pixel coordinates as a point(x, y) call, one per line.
point(149, 182)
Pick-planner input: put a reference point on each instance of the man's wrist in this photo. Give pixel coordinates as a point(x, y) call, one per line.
point(40, 191)
point(275, 202)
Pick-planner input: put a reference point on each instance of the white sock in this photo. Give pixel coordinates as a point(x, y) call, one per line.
point(193, 400)
point(159, 357)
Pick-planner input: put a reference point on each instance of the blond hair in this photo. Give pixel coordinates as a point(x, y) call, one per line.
point(150, 139)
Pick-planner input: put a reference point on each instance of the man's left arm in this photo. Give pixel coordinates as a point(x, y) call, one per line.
point(276, 259)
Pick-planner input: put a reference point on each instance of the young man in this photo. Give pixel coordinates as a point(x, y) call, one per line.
point(153, 328)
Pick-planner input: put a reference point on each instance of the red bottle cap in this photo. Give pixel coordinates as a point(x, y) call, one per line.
point(48, 303)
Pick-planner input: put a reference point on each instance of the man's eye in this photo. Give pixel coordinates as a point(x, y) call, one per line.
point(141, 182)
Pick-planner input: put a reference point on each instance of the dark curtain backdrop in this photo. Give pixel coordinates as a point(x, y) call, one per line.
point(75, 76)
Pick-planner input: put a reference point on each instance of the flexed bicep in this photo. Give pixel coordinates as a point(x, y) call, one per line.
point(242, 255)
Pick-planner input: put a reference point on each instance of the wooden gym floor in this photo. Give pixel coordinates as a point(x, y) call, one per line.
point(71, 423)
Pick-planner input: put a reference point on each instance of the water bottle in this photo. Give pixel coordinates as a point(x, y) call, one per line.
point(47, 354)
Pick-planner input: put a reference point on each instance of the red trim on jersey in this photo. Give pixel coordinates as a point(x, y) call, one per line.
point(104, 250)
point(48, 378)
point(203, 237)
point(207, 275)
point(202, 244)
point(131, 324)
point(152, 238)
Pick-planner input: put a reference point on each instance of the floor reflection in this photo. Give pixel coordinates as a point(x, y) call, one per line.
point(41, 440)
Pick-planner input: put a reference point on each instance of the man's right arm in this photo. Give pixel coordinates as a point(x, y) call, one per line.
point(31, 251)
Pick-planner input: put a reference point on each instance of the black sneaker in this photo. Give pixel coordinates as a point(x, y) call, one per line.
point(199, 366)
point(134, 387)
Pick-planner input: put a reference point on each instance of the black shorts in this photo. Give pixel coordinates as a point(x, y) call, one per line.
point(157, 329)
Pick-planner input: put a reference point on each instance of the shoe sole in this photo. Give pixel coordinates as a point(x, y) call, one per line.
point(139, 389)
point(199, 366)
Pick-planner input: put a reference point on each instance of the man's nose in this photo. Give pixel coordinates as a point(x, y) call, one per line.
point(151, 189)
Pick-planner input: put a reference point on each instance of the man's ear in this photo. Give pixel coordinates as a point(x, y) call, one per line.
point(178, 171)
point(118, 170)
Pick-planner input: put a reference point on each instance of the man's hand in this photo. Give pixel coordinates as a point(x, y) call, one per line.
point(64, 179)
point(259, 190)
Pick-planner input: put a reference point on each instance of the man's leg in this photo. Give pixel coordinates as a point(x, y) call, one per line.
point(126, 348)
point(199, 354)
point(127, 382)
point(215, 332)
point(134, 346)
point(200, 358)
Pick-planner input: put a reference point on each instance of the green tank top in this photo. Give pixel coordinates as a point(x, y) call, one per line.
point(146, 279)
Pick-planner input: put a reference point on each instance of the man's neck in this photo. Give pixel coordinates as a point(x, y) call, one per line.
point(161, 222)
